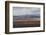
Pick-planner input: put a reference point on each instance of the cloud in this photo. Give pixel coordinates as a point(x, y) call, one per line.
point(17, 11)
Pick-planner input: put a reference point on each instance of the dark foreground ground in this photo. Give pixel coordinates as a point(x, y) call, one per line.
point(26, 22)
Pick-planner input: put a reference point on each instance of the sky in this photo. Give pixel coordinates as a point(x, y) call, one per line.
point(18, 11)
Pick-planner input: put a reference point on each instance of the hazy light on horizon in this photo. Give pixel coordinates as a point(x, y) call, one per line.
point(17, 11)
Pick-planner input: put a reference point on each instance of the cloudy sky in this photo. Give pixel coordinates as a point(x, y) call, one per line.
point(17, 11)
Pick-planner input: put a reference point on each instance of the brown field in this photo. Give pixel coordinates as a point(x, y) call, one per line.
point(27, 23)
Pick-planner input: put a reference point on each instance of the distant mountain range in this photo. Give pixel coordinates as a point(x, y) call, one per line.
point(25, 17)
